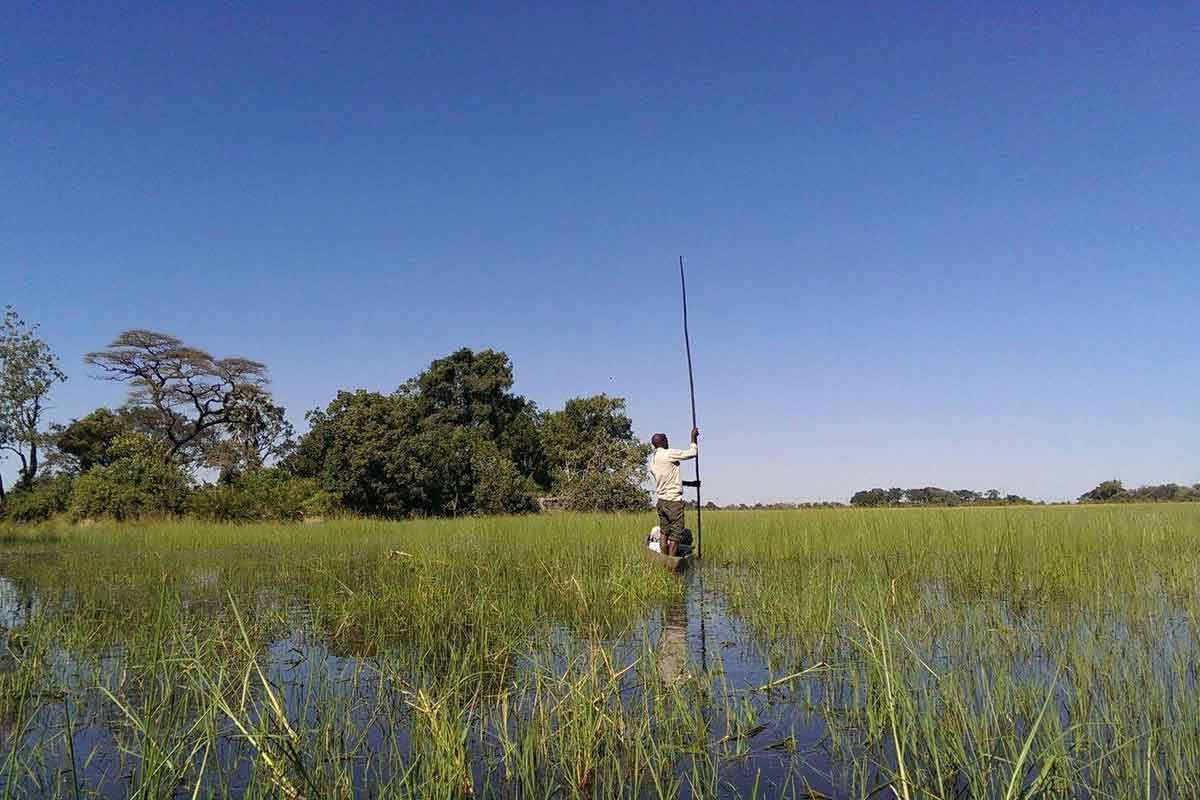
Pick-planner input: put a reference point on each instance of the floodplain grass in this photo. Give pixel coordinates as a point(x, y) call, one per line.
point(1000, 652)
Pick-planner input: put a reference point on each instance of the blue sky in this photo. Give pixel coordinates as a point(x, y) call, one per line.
point(948, 244)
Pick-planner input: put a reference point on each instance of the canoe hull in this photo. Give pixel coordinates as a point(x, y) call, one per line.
point(673, 563)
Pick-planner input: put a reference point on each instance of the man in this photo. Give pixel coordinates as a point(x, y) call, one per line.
point(664, 466)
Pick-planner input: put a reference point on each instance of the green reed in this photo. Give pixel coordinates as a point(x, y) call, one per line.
point(941, 653)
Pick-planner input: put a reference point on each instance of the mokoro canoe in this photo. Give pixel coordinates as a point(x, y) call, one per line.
point(673, 563)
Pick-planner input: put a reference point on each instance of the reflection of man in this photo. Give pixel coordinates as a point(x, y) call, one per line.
point(664, 466)
point(673, 644)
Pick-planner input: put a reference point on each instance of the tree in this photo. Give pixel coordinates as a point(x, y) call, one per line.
point(377, 454)
point(268, 493)
point(596, 462)
point(193, 396)
point(936, 496)
point(87, 442)
point(42, 500)
point(467, 389)
point(1106, 491)
point(473, 391)
point(1155, 493)
point(7, 440)
point(895, 496)
point(499, 488)
point(869, 497)
point(258, 432)
point(364, 448)
point(138, 483)
point(28, 370)
point(456, 440)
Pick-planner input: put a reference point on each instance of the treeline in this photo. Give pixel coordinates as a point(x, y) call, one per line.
point(771, 506)
point(1115, 492)
point(934, 496)
point(203, 436)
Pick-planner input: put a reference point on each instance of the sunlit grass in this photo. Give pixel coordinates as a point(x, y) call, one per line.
point(923, 653)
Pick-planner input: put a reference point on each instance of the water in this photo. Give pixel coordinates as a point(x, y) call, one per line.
point(764, 730)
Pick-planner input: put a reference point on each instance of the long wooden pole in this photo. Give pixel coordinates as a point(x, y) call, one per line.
point(687, 343)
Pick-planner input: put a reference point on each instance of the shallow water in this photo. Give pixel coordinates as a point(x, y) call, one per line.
point(803, 736)
point(695, 639)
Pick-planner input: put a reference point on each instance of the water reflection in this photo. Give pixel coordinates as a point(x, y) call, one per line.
point(673, 643)
point(769, 721)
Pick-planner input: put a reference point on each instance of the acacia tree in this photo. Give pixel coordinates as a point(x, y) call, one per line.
point(28, 370)
point(192, 396)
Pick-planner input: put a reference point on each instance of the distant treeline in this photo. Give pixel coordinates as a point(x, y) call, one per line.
point(769, 506)
point(935, 496)
point(1114, 492)
point(203, 436)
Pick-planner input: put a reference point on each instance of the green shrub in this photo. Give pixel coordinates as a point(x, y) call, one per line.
point(500, 488)
point(320, 503)
point(602, 491)
point(48, 496)
point(265, 494)
point(222, 504)
point(138, 484)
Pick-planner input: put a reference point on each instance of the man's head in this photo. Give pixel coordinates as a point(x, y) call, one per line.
point(659, 440)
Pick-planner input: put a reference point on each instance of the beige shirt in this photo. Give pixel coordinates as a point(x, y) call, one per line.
point(664, 466)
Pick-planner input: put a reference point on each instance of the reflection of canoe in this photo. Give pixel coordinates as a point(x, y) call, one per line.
point(673, 563)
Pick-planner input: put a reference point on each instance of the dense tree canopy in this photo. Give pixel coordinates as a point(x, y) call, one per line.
point(473, 391)
point(138, 482)
point(87, 442)
point(597, 463)
point(434, 447)
point(456, 440)
point(368, 450)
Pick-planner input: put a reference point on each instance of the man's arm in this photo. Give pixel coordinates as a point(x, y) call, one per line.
point(684, 455)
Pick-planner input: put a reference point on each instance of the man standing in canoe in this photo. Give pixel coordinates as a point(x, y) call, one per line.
point(664, 466)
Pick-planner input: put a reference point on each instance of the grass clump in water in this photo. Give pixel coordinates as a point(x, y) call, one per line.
point(926, 653)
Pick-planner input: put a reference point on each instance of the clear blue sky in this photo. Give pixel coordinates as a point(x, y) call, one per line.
point(953, 244)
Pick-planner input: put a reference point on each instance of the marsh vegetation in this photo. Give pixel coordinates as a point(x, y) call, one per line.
point(933, 653)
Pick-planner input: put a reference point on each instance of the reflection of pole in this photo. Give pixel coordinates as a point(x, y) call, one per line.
point(687, 343)
point(703, 640)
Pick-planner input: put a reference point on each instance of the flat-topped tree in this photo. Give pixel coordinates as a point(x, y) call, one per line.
point(193, 395)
